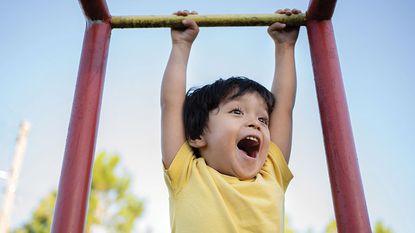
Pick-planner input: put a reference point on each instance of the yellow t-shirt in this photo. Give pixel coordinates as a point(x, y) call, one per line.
point(204, 200)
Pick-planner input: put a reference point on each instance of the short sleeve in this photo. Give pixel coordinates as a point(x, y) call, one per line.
point(277, 163)
point(177, 175)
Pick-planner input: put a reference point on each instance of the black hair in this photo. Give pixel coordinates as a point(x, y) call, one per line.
point(200, 101)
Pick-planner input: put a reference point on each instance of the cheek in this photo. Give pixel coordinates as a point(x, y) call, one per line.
point(222, 134)
point(225, 135)
point(266, 133)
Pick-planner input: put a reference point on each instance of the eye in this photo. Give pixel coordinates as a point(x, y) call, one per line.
point(263, 120)
point(237, 111)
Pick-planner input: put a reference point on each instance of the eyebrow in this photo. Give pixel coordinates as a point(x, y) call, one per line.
point(236, 99)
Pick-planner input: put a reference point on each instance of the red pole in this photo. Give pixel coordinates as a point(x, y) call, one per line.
point(72, 200)
point(95, 10)
point(346, 185)
point(321, 9)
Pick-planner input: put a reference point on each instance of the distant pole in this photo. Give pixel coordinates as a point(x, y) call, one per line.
point(13, 176)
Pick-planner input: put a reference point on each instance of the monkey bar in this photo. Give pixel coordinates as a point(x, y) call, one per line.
point(153, 21)
point(346, 185)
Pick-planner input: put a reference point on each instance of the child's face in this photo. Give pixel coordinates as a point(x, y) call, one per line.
point(237, 137)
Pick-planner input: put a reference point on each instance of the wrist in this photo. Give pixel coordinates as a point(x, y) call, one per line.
point(284, 48)
point(181, 49)
point(284, 45)
point(182, 44)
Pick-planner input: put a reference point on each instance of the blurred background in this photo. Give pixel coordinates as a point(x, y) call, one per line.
point(39, 57)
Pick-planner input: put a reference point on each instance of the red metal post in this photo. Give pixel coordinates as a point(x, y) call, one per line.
point(321, 9)
point(74, 185)
point(346, 185)
point(95, 10)
point(72, 200)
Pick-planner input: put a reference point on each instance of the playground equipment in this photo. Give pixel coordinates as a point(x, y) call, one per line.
point(346, 185)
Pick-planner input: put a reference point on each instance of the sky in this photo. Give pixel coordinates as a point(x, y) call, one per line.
point(40, 47)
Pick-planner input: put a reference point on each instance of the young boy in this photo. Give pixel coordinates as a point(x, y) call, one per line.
point(225, 147)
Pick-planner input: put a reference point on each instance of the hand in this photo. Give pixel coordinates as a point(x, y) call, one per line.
point(188, 34)
point(281, 33)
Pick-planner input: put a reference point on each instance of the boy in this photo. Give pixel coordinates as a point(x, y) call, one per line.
point(225, 147)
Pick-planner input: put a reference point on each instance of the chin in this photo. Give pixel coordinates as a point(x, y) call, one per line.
point(248, 175)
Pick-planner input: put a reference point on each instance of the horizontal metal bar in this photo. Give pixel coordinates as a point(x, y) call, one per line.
point(152, 21)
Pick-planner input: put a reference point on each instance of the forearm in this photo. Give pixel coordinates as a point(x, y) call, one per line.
point(285, 79)
point(173, 90)
point(284, 84)
point(284, 90)
point(173, 86)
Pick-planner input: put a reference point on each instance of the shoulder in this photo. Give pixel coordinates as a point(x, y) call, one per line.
point(277, 165)
point(178, 173)
point(183, 156)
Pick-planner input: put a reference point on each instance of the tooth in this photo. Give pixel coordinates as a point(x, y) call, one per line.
point(252, 138)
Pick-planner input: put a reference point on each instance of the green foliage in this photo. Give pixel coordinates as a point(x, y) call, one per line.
point(287, 226)
point(380, 228)
point(42, 217)
point(331, 227)
point(112, 206)
point(111, 203)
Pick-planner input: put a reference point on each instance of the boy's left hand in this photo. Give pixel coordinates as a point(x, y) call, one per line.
point(188, 34)
point(281, 33)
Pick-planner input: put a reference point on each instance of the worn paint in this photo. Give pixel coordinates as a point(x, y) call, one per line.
point(95, 10)
point(321, 9)
point(346, 184)
point(153, 21)
point(74, 185)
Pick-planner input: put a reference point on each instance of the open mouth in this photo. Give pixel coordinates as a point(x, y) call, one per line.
point(250, 145)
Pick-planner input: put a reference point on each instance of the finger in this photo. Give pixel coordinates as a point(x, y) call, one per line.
point(182, 13)
point(296, 11)
point(287, 12)
point(277, 26)
point(190, 23)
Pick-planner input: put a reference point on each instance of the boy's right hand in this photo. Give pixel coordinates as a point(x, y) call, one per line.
point(281, 33)
point(187, 35)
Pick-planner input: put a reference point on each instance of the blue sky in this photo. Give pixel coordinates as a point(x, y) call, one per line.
point(39, 57)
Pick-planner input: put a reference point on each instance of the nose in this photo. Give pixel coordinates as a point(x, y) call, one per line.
point(254, 125)
point(252, 121)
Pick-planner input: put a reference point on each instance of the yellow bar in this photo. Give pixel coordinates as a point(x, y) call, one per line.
point(153, 21)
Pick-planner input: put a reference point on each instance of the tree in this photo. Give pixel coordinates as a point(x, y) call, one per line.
point(42, 217)
point(331, 227)
point(112, 206)
point(381, 228)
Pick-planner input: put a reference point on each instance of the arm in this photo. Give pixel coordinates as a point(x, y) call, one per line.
point(173, 89)
point(284, 84)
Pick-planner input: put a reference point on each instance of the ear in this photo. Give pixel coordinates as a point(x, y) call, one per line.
point(197, 143)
